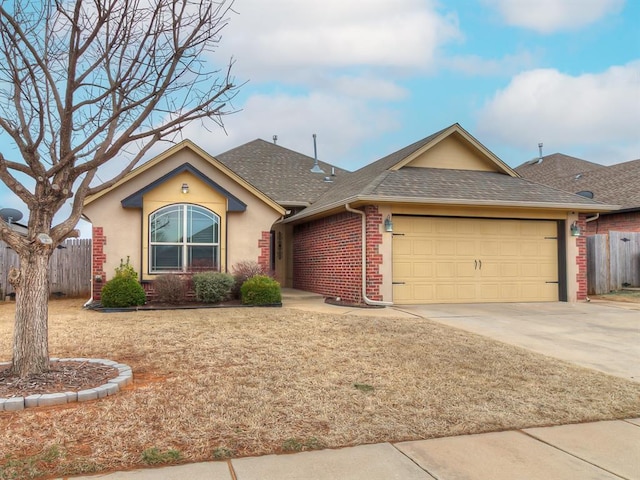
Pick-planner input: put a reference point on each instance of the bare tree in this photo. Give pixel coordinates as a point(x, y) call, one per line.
point(81, 83)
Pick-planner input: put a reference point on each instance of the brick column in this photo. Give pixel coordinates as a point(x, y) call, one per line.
point(581, 260)
point(98, 257)
point(264, 258)
point(374, 258)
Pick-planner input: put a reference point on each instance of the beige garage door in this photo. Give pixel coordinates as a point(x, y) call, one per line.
point(459, 260)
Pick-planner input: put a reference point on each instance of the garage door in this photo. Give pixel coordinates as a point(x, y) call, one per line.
point(459, 260)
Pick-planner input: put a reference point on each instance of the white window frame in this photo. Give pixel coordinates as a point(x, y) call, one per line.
point(185, 244)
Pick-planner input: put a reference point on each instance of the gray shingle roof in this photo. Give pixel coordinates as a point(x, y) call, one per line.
point(553, 167)
point(280, 173)
point(469, 185)
point(377, 181)
point(368, 177)
point(617, 184)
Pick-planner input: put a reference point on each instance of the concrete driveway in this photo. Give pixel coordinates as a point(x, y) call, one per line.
point(602, 336)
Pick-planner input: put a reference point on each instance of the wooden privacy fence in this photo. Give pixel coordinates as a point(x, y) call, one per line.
point(613, 262)
point(69, 268)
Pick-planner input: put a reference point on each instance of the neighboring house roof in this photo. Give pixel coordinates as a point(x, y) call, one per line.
point(614, 184)
point(280, 173)
point(551, 167)
point(394, 179)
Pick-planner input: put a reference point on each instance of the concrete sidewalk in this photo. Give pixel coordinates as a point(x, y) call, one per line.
point(589, 451)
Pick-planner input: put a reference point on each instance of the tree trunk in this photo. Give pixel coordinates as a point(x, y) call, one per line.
point(30, 337)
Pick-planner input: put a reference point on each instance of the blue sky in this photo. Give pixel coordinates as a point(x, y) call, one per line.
point(372, 76)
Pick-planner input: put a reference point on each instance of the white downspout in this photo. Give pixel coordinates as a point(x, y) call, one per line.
point(591, 219)
point(366, 299)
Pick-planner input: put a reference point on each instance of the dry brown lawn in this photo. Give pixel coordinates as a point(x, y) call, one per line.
point(234, 382)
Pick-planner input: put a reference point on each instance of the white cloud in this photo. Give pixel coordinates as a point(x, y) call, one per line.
point(475, 65)
point(568, 112)
point(341, 124)
point(368, 87)
point(546, 16)
point(283, 39)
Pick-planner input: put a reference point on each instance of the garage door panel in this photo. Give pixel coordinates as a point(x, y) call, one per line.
point(548, 271)
point(464, 248)
point(402, 246)
point(445, 247)
point(465, 269)
point(445, 270)
point(422, 247)
point(509, 270)
point(509, 249)
point(490, 292)
point(438, 259)
point(490, 270)
point(489, 247)
point(423, 270)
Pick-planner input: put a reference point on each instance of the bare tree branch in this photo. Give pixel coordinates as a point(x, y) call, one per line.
point(89, 80)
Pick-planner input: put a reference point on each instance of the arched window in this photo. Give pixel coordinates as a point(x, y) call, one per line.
point(183, 238)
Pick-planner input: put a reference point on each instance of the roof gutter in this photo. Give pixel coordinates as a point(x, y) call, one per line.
point(310, 211)
point(366, 299)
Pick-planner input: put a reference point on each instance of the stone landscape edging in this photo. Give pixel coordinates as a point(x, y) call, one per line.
point(125, 377)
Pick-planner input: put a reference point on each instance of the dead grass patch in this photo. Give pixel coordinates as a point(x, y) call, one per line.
point(628, 296)
point(233, 382)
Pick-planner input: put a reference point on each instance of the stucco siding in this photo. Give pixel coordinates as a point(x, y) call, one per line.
point(126, 229)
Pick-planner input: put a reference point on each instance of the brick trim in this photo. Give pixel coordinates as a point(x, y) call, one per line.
point(264, 245)
point(374, 257)
point(581, 260)
point(98, 259)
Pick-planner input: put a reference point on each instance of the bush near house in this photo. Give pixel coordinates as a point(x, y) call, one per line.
point(212, 287)
point(260, 290)
point(243, 271)
point(171, 288)
point(123, 290)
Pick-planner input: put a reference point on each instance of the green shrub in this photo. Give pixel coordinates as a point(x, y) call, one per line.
point(170, 288)
point(122, 291)
point(126, 270)
point(212, 287)
point(243, 271)
point(260, 290)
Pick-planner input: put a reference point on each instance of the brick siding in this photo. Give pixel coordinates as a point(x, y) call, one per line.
point(581, 260)
point(264, 245)
point(98, 258)
point(618, 222)
point(374, 258)
point(327, 257)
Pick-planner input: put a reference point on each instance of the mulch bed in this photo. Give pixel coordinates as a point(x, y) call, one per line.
point(65, 376)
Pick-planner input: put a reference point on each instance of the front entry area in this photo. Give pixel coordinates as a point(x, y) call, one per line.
point(468, 260)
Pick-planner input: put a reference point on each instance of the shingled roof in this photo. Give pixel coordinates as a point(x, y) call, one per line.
point(614, 184)
point(381, 182)
point(282, 174)
point(551, 167)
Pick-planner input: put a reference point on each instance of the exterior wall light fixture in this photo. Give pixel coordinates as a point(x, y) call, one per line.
point(185, 188)
point(575, 229)
point(388, 224)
